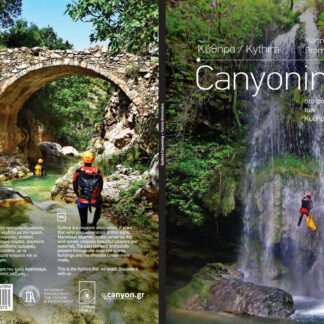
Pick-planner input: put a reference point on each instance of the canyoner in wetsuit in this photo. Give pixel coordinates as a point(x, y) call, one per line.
point(306, 206)
point(87, 185)
point(40, 170)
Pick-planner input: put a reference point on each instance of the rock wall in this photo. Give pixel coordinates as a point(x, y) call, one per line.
point(280, 253)
point(124, 125)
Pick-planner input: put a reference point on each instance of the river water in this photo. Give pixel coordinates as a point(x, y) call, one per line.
point(37, 188)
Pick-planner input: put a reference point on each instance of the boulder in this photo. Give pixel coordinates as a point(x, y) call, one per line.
point(239, 297)
point(51, 149)
point(69, 150)
point(217, 288)
point(9, 196)
point(53, 153)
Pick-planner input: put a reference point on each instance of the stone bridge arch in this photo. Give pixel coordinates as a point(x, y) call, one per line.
point(24, 71)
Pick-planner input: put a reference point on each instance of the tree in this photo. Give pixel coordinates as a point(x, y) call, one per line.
point(127, 24)
point(71, 109)
point(225, 23)
point(30, 35)
point(9, 9)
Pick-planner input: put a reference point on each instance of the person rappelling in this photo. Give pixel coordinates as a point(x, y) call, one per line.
point(306, 206)
point(40, 170)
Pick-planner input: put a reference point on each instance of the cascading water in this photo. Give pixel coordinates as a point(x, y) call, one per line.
point(274, 251)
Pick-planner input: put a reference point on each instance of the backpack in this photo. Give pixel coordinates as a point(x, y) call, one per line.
point(89, 183)
point(306, 203)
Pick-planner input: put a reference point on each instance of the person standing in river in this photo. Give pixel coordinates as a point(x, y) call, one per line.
point(87, 185)
point(306, 206)
point(40, 170)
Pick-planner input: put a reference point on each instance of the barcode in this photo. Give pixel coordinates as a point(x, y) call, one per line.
point(6, 297)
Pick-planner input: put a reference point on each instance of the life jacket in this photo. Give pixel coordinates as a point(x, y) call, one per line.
point(89, 185)
point(306, 203)
point(38, 169)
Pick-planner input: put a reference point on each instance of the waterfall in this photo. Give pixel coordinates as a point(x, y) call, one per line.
point(274, 251)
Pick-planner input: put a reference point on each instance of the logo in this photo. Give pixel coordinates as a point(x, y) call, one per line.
point(61, 217)
point(29, 295)
point(87, 292)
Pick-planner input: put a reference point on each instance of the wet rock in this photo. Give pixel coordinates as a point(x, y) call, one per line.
point(293, 251)
point(218, 288)
point(9, 196)
point(239, 297)
point(51, 149)
point(69, 150)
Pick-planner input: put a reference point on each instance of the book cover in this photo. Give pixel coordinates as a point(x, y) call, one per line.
point(78, 162)
point(245, 161)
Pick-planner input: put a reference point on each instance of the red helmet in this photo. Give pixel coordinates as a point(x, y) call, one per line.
point(308, 195)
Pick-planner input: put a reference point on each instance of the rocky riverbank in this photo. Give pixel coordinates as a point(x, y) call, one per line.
point(14, 166)
point(218, 288)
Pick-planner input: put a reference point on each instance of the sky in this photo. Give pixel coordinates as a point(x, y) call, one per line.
point(51, 13)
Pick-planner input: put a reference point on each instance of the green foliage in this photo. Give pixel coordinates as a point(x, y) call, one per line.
point(132, 71)
point(201, 181)
point(128, 24)
point(132, 158)
point(199, 287)
point(292, 104)
point(130, 209)
point(9, 10)
point(224, 23)
point(24, 34)
point(71, 109)
point(320, 16)
point(291, 165)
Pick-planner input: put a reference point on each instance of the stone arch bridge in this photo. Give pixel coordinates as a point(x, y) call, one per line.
point(23, 71)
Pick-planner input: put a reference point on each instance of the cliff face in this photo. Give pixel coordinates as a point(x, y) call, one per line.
point(277, 247)
point(124, 124)
point(34, 134)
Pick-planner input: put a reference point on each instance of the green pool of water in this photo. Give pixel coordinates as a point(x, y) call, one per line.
point(37, 188)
